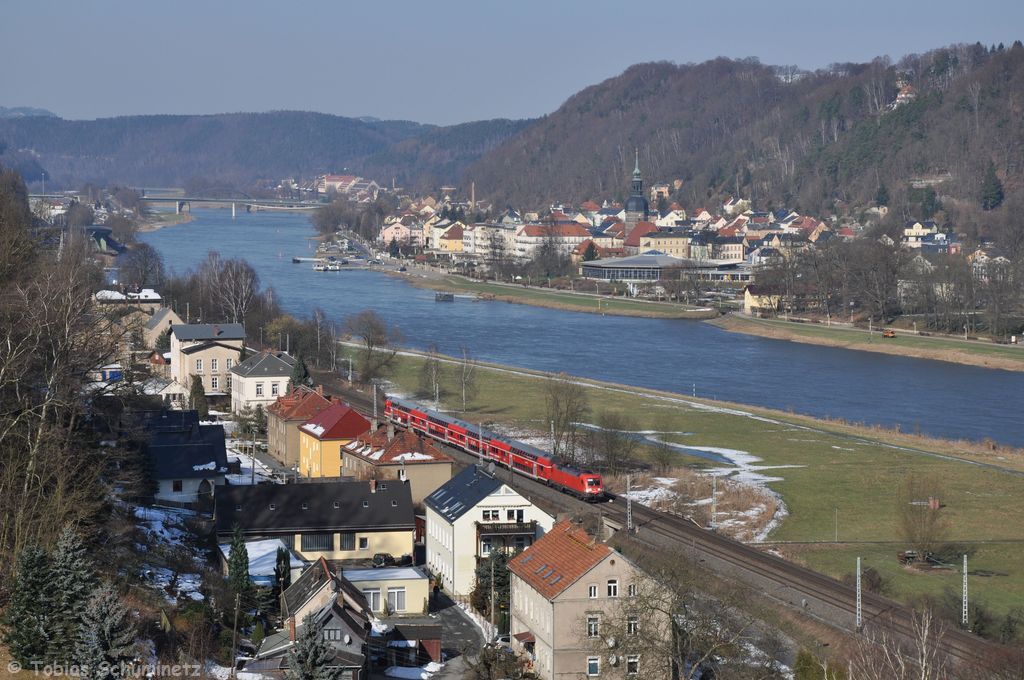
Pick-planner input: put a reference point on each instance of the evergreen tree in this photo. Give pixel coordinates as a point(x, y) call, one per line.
point(238, 567)
point(197, 397)
point(930, 203)
point(300, 374)
point(283, 569)
point(30, 615)
point(243, 353)
point(308, 658)
point(481, 595)
point(393, 247)
point(107, 641)
point(590, 253)
point(882, 195)
point(991, 189)
point(74, 582)
point(163, 341)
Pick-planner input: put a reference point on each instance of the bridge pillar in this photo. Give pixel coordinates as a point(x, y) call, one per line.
point(177, 207)
point(232, 211)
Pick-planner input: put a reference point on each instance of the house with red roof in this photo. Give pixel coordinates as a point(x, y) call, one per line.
point(635, 236)
point(406, 456)
point(564, 236)
point(285, 416)
point(568, 591)
point(323, 435)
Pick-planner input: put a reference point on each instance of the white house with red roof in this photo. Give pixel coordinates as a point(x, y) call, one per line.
point(530, 237)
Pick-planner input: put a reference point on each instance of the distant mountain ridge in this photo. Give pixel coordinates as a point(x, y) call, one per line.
point(24, 111)
point(240, 148)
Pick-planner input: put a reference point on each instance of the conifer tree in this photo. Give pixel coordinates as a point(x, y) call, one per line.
point(283, 569)
point(238, 567)
point(308, 658)
point(300, 374)
point(882, 195)
point(74, 582)
point(197, 397)
point(991, 189)
point(107, 640)
point(30, 616)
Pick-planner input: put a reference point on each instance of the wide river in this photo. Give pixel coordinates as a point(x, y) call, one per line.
point(932, 397)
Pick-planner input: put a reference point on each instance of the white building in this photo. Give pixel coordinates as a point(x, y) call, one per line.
point(260, 380)
point(471, 515)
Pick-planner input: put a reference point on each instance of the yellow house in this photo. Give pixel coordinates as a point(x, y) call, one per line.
point(383, 455)
point(321, 439)
point(340, 520)
point(451, 239)
point(758, 300)
point(392, 591)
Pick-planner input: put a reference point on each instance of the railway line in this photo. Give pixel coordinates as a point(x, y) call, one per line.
point(810, 592)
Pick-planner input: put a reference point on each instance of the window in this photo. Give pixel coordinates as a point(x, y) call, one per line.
point(364, 543)
point(520, 543)
point(318, 542)
point(238, 508)
point(631, 590)
point(366, 504)
point(259, 389)
point(593, 665)
point(485, 547)
point(348, 541)
point(382, 486)
point(491, 515)
point(305, 506)
point(227, 364)
point(515, 515)
point(592, 592)
point(199, 365)
point(632, 625)
point(273, 506)
point(214, 383)
point(613, 587)
point(394, 504)
point(632, 665)
point(273, 389)
point(337, 505)
point(213, 365)
point(176, 486)
point(332, 634)
point(593, 626)
point(396, 599)
point(372, 596)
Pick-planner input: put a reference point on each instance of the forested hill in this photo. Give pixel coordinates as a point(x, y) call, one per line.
point(736, 128)
point(243, 147)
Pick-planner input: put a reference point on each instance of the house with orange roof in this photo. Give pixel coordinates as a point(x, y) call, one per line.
point(405, 456)
point(633, 239)
point(323, 435)
point(285, 416)
point(565, 589)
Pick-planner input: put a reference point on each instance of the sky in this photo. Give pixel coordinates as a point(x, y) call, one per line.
point(431, 61)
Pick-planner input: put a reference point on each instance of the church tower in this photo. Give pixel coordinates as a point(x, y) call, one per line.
point(637, 208)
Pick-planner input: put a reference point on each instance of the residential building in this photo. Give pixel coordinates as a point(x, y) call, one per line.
point(636, 233)
point(323, 435)
point(286, 415)
point(451, 240)
point(158, 324)
point(761, 301)
point(260, 380)
point(561, 588)
point(392, 591)
point(914, 232)
point(471, 515)
point(671, 243)
point(405, 456)
point(208, 351)
point(343, 520)
point(187, 461)
point(564, 237)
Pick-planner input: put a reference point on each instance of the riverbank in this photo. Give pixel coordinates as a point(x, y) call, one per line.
point(838, 481)
point(952, 350)
point(159, 219)
point(555, 299)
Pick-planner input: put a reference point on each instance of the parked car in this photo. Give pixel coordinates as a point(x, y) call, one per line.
point(383, 560)
point(402, 268)
point(889, 333)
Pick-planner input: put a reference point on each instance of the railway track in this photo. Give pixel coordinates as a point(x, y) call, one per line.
point(808, 591)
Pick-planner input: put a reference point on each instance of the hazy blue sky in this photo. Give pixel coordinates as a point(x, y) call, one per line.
point(431, 61)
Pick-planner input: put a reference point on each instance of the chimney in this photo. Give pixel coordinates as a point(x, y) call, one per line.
point(320, 390)
point(216, 330)
point(391, 430)
point(291, 628)
point(373, 486)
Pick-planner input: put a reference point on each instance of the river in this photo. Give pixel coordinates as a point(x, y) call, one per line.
point(936, 398)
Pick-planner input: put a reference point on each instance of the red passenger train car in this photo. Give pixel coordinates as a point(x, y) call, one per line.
point(521, 457)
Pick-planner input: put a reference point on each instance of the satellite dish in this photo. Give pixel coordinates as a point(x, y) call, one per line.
point(348, 639)
point(490, 468)
point(613, 660)
point(611, 642)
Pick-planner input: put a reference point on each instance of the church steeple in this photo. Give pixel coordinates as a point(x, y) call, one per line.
point(636, 205)
point(638, 179)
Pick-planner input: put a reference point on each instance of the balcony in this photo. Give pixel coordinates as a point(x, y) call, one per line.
point(506, 528)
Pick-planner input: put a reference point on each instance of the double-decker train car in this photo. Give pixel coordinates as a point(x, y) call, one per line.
point(521, 457)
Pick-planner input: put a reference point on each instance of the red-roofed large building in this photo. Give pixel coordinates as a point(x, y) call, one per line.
point(286, 415)
point(635, 236)
point(323, 435)
point(565, 237)
point(405, 456)
point(561, 587)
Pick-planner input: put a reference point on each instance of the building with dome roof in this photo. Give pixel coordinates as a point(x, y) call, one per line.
point(637, 208)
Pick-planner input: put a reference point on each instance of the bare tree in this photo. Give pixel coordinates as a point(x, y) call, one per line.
point(921, 656)
point(613, 442)
point(431, 373)
point(377, 350)
point(922, 520)
point(565, 403)
point(467, 375)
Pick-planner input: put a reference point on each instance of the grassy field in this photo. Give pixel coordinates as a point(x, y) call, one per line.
point(856, 470)
point(973, 352)
point(565, 300)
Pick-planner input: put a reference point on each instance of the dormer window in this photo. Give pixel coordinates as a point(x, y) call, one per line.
point(394, 504)
point(366, 504)
point(273, 506)
point(238, 508)
point(305, 506)
point(382, 486)
point(337, 505)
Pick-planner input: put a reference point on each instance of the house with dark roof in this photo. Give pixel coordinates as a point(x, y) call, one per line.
point(207, 351)
point(471, 515)
point(161, 322)
point(407, 456)
point(260, 380)
point(323, 435)
point(565, 589)
point(287, 414)
point(337, 520)
point(187, 460)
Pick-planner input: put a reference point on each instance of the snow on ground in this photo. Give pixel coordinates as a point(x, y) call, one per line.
point(413, 673)
point(163, 525)
point(742, 466)
point(224, 673)
point(263, 473)
point(174, 586)
point(661, 492)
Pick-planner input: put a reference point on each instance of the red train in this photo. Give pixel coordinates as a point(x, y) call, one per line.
point(525, 459)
